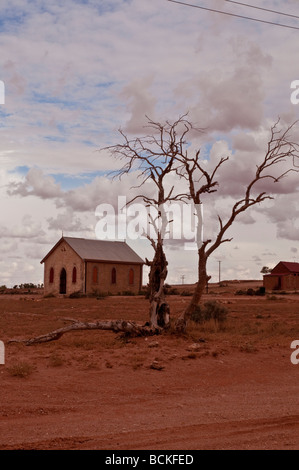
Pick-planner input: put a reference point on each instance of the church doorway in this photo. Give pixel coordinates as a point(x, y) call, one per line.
point(62, 287)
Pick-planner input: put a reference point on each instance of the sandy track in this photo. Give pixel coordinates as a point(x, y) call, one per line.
point(234, 402)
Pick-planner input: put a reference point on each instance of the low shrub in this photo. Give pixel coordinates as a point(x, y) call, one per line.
point(20, 369)
point(211, 310)
point(98, 294)
point(172, 291)
point(260, 291)
point(56, 360)
point(142, 292)
point(186, 293)
point(240, 292)
point(127, 292)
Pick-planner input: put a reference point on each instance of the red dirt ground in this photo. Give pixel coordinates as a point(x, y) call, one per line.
point(215, 388)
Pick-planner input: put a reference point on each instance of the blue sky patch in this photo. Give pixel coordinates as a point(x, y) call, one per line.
point(21, 170)
point(68, 182)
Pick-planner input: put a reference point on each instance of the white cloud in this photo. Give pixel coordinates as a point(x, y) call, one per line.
point(65, 221)
point(75, 72)
point(26, 229)
point(35, 184)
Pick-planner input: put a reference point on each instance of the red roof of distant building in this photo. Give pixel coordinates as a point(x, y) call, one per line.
point(292, 267)
point(289, 266)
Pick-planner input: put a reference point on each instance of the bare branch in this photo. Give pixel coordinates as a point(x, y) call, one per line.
point(279, 150)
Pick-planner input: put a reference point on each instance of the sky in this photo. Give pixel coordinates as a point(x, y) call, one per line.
point(75, 72)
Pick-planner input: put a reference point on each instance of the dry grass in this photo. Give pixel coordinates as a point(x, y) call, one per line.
point(55, 360)
point(258, 330)
point(20, 369)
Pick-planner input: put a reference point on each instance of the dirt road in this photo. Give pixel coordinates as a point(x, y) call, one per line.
point(238, 401)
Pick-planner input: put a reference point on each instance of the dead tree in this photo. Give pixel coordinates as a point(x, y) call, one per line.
point(280, 149)
point(154, 157)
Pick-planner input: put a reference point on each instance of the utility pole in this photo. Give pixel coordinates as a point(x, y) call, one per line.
point(219, 271)
point(183, 278)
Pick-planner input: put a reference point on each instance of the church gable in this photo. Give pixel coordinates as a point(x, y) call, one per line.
point(63, 270)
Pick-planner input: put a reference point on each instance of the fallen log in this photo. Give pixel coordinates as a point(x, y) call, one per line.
point(117, 326)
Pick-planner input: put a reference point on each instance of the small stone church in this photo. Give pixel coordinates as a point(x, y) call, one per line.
point(91, 266)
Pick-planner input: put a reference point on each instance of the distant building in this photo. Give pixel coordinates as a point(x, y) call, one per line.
point(89, 266)
point(285, 276)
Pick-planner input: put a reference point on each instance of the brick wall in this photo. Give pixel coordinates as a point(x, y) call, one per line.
point(289, 282)
point(271, 282)
point(102, 281)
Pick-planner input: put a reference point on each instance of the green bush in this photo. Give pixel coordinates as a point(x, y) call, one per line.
point(211, 310)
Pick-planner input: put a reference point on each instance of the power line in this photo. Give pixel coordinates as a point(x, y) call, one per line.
point(234, 15)
point(263, 9)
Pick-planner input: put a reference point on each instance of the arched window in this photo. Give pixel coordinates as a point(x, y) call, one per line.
point(95, 275)
point(131, 276)
point(113, 276)
point(51, 277)
point(74, 275)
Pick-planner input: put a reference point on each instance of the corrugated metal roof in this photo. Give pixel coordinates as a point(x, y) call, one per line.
point(101, 250)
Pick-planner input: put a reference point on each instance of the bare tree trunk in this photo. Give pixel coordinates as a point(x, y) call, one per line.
point(200, 287)
point(203, 278)
point(159, 308)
